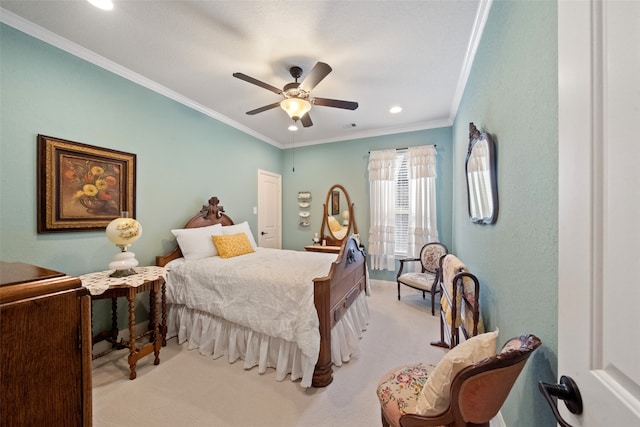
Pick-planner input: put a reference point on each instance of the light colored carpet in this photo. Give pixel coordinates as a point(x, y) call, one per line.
point(188, 389)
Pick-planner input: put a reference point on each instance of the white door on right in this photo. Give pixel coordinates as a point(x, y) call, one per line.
point(599, 209)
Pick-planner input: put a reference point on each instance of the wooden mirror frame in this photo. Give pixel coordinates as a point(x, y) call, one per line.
point(490, 186)
point(329, 238)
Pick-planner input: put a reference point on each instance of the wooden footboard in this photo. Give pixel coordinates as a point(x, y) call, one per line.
point(333, 295)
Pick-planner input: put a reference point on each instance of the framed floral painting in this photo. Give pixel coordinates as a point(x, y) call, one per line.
point(335, 202)
point(82, 187)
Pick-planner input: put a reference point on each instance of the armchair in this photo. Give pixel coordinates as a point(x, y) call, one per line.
point(465, 389)
point(426, 280)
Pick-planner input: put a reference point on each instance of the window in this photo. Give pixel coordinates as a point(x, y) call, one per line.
point(401, 205)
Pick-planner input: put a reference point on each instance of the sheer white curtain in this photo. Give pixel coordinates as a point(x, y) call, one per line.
point(422, 218)
point(423, 221)
point(382, 207)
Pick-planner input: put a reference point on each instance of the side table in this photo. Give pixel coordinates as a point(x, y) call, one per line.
point(148, 279)
point(325, 249)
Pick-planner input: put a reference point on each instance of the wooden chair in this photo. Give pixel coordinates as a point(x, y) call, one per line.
point(460, 292)
point(476, 394)
point(425, 280)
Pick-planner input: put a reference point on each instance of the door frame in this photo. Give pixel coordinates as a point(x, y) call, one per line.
point(264, 207)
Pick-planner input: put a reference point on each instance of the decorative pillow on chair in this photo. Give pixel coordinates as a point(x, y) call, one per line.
point(232, 245)
point(434, 398)
point(240, 228)
point(195, 243)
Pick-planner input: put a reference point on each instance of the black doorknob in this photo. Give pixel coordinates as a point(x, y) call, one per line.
point(263, 233)
point(568, 391)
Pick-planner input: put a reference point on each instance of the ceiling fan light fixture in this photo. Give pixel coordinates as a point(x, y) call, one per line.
point(295, 107)
point(292, 127)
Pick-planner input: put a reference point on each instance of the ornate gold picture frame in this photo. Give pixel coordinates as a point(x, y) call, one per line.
point(82, 187)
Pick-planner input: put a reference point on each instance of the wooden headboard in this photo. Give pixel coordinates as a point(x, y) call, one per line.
point(210, 214)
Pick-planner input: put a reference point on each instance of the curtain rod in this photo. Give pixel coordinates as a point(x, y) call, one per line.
point(405, 148)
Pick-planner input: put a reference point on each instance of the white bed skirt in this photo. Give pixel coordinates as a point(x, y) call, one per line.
point(216, 337)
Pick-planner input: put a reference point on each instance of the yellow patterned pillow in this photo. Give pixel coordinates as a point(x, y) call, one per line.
point(231, 245)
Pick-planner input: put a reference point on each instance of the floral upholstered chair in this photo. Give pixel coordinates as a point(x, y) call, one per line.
point(467, 387)
point(426, 280)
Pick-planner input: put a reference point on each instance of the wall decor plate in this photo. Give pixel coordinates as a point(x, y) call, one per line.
point(303, 195)
point(304, 223)
point(304, 204)
point(304, 214)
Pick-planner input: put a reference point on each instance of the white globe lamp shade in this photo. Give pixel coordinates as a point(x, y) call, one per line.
point(123, 232)
point(345, 216)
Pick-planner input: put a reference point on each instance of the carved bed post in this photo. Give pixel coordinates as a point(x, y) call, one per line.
point(323, 374)
point(212, 209)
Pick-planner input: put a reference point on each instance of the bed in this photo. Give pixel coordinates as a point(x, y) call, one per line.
point(235, 318)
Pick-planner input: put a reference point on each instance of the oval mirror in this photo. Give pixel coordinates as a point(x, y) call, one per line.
point(480, 167)
point(338, 219)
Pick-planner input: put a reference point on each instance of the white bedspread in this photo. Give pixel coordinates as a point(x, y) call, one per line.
point(278, 282)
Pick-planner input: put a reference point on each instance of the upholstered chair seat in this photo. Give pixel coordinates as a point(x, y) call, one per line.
point(427, 279)
point(466, 388)
point(399, 389)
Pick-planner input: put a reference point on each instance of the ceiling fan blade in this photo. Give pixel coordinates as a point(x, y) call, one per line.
point(325, 102)
point(257, 82)
point(265, 108)
point(315, 76)
point(306, 120)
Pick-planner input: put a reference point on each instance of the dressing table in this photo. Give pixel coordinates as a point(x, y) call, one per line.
point(325, 249)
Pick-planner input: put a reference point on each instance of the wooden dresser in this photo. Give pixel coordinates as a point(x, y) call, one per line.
point(45, 348)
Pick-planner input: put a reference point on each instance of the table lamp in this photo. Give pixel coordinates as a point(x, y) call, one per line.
point(345, 215)
point(123, 232)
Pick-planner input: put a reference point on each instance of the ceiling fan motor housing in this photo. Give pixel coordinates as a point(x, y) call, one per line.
point(296, 72)
point(291, 90)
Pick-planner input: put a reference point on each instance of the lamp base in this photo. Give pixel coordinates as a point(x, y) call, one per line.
point(123, 273)
point(123, 263)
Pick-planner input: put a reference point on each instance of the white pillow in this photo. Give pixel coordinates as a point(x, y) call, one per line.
point(240, 228)
point(434, 397)
point(196, 243)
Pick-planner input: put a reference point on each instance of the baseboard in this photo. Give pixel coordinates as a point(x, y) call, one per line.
point(104, 346)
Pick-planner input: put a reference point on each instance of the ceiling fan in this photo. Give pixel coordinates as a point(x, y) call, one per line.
point(297, 96)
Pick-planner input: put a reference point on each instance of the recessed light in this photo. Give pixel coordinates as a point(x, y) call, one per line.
point(102, 4)
point(395, 109)
point(293, 128)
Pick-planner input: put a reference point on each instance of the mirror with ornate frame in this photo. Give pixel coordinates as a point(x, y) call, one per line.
point(338, 221)
point(480, 168)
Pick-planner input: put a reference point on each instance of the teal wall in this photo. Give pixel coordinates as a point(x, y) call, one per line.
point(512, 94)
point(319, 167)
point(183, 156)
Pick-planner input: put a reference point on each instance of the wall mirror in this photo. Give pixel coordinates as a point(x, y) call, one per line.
point(482, 187)
point(338, 221)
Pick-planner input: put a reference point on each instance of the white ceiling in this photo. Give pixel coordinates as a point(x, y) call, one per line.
point(415, 54)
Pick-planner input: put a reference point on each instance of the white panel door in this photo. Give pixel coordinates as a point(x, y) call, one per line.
point(599, 208)
point(269, 210)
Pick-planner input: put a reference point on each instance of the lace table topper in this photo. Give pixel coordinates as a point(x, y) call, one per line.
point(99, 282)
